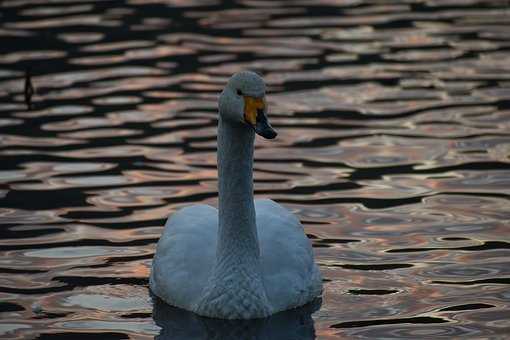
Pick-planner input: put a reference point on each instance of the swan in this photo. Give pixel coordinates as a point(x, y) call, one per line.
point(250, 258)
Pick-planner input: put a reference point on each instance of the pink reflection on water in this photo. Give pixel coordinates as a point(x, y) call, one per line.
point(393, 150)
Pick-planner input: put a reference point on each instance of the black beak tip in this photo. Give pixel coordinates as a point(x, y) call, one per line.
point(268, 134)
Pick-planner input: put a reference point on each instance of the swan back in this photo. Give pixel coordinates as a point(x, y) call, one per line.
point(185, 255)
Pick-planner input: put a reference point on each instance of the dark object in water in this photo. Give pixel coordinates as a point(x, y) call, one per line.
point(29, 88)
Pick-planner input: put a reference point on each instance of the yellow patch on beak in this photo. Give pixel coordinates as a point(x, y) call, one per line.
point(251, 105)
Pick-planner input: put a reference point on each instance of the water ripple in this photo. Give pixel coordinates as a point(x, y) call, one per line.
point(393, 150)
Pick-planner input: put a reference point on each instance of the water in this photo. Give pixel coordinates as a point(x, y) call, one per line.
point(393, 149)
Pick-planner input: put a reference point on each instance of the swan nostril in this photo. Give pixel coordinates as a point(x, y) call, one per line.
point(260, 114)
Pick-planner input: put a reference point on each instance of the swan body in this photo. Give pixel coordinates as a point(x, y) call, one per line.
point(249, 259)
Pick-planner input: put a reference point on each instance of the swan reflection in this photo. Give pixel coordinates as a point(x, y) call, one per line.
point(176, 323)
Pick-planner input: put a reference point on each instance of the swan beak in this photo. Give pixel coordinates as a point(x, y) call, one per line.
point(255, 115)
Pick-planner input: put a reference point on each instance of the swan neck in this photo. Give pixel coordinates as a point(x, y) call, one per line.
point(237, 226)
point(235, 289)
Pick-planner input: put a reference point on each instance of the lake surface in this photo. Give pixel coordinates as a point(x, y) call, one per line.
point(393, 150)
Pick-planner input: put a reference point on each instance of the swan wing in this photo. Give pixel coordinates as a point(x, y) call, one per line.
point(291, 277)
point(185, 255)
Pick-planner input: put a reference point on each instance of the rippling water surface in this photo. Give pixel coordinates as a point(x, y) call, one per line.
point(393, 149)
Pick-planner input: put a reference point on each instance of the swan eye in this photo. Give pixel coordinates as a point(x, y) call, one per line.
point(239, 92)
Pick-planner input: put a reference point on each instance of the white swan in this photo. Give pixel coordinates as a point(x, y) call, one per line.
point(251, 259)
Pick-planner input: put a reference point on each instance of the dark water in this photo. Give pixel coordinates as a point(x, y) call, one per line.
point(393, 149)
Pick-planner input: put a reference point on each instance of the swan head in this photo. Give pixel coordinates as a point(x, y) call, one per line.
point(243, 102)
